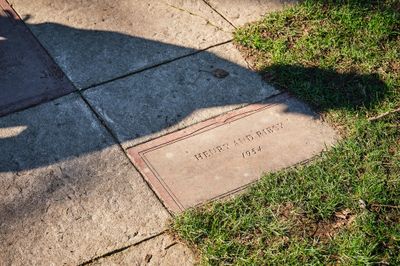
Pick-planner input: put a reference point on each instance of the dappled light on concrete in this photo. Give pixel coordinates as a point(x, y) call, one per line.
point(68, 193)
point(11, 132)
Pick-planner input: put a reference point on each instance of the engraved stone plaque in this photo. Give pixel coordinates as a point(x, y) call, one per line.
point(224, 154)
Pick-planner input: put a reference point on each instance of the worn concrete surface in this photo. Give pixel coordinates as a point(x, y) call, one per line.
point(98, 40)
point(28, 76)
point(172, 96)
point(240, 12)
point(221, 155)
point(67, 191)
point(161, 250)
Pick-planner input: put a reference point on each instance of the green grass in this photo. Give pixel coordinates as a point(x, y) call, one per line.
point(343, 58)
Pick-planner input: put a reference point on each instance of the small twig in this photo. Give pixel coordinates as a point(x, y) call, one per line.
point(384, 263)
point(384, 114)
point(171, 245)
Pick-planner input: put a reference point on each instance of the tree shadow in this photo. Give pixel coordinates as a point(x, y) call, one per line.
point(168, 104)
point(153, 103)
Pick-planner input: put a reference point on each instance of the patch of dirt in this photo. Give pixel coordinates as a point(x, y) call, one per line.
point(328, 229)
point(305, 227)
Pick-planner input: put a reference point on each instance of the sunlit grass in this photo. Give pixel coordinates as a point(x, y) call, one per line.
point(343, 58)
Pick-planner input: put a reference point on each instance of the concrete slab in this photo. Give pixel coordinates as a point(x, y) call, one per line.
point(67, 192)
point(98, 40)
point(28, 75)
point(161, 250)
point(176, 95)
point(240, 12)
point(222, 155)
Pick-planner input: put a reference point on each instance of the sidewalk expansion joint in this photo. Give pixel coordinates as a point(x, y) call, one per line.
point(115, 138)
point(154, 66)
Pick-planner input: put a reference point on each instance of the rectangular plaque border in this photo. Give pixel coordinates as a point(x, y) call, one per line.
point(137, 153)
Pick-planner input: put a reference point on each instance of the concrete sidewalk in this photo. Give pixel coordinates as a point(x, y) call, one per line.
point(139, 69)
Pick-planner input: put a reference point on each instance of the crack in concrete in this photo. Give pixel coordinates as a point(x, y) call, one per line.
point(108, 254)
point(222, 16)
point(196, 15)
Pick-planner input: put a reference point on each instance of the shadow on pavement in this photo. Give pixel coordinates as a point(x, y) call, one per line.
point(28, 75)
point(334, 90)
